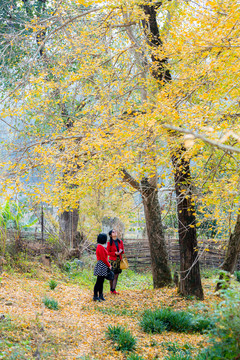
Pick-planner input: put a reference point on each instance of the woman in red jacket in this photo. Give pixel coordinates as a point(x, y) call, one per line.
point(101, 268)
point(115, 250)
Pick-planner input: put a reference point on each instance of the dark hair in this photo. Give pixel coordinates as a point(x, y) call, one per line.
point(102, 238)
point(111, 239)
point(110, 235)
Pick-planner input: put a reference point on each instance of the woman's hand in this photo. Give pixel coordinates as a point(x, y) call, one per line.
point(118, 252)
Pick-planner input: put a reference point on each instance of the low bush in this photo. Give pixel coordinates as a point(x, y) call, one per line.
point(174, 347)
point(220, 351)
point(123, 338)
point(178, 352)
point(178, 356)
point(50, 303)
point(225, 335)
point(166, 319)
point(201, 324)
point(52, 284)
point(135, 357)
point(237, 274)
point(113, 332)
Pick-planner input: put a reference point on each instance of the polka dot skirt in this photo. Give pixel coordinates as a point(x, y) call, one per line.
point(100, 269)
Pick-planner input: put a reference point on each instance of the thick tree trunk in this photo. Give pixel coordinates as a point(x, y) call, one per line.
point(232, 254)
point(190, 279)
point(68, 223)
point(159, 258)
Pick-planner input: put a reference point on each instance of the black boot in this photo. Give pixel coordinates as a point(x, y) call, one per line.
point(96, 298)
point(101, 297)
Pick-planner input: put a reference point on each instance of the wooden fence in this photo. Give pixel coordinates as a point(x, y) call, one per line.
point(211, 252)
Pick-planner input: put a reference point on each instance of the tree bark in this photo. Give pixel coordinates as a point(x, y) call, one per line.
point(159, 259)
point(158, 251)
point(190, 279)
point(232, 254)
point(68, 223)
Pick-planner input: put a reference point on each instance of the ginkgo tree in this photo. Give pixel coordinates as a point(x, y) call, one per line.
point(130, 79)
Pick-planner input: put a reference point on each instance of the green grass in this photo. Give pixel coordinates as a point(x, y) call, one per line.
point(130, 279)
point(179, 356)
point(123, 338)
point(83, 276)
point(14, 342)
point(224, 336)
point(135, 357)
point(17, 340)
point(178, 352)
point(166, 319)
point(209, 273)
point(50, 303)
point(116, 311)
point(237, 274)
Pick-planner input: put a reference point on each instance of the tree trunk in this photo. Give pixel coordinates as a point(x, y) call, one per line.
point(68, 223)
point(158, 252)
point(190, 279)
point(232, 254)
point(159, 258)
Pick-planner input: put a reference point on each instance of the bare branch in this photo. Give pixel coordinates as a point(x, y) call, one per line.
point(203, 138)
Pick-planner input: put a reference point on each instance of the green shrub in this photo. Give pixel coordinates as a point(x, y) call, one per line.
point(201, 324)
point(178, 356)
point(237, 273)
point(124, 339)
point(67, 267)
point(151, 323)
point(178, 351)
point(135, 357)
point(113, 332)
point(220, 351)
point(225, 335)
point(50, 303)
point(166, 319)
point(52, 284)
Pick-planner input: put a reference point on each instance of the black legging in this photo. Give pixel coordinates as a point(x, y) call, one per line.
point(113, 283)
point(98, 288)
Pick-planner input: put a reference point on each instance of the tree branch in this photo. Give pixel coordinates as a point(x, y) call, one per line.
point(130, 180)
point(203, 138)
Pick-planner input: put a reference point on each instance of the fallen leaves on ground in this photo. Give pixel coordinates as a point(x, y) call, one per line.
point(78, 328)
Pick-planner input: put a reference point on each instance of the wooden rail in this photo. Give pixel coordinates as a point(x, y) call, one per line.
point(211, 252)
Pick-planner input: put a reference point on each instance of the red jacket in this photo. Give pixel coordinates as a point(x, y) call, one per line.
point(102, 254)
point(111, 249)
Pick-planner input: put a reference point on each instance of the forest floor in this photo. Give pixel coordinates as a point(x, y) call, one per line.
point(29, 330)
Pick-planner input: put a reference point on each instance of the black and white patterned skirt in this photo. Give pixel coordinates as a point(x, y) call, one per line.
point(100, 269)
